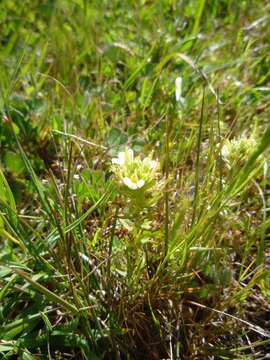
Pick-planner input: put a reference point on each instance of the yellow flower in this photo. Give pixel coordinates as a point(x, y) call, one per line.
point(238, 150)
point(136, 177)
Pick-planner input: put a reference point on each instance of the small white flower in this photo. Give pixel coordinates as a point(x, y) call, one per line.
point(123, 157)
point(133, 185)
point(238, 83)
point(120, 160)
point(152, 164)
point(129, 155)
point(178, 90)
point(224, 151)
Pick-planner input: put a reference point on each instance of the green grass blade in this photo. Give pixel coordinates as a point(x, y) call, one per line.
point(49, 294)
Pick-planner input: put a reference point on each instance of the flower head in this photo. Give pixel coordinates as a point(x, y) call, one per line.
point(238, 150)
point(136, 177)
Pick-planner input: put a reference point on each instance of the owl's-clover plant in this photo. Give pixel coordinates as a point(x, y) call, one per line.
point(137, 179)
point(236, 152)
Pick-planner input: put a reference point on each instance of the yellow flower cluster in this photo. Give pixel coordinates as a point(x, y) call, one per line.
point(136, 177)
point(237, 151)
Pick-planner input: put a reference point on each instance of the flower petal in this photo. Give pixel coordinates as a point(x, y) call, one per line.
point(120, 160)
point(122, 157)
point(140, 183)
point(153, 164)
point(224, 151)
point(116, 161)
point(129, 155)
point(178, 88)
point(133, 185)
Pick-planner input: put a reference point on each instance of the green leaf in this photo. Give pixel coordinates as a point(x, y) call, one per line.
point(27, 356)
point(14, 163)
point(5, 348)
point(115, 138)
point(6, 197)
point(49, 294)
point(14, 328)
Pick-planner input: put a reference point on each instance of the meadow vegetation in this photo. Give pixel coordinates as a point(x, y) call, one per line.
point(134, 207)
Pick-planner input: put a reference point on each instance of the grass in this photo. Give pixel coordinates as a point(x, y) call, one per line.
point(85, 273)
